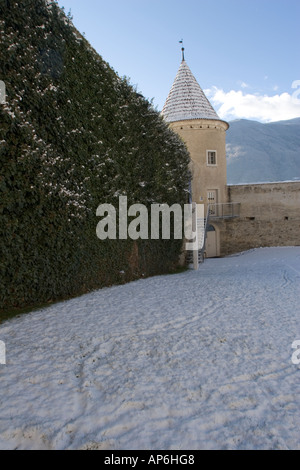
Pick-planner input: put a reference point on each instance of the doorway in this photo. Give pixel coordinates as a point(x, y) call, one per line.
point(211, 242)
point(212, 200)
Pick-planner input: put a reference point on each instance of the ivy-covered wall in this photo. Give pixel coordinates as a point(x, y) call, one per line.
point(74, 135)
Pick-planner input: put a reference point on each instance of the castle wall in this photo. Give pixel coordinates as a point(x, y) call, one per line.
point(270, 216)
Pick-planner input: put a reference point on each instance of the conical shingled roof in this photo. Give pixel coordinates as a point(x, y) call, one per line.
point(186, 99)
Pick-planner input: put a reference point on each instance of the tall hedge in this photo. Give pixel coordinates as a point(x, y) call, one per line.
point(74, 135)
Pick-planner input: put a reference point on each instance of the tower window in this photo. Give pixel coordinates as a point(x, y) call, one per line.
point(211, 157)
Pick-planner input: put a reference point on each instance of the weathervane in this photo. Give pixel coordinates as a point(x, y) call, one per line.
point(182, 49)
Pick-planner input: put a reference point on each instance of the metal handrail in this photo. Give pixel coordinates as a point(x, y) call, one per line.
point(202, 251)
point(226, 210)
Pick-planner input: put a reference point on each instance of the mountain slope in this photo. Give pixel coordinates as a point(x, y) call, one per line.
point(258, 152)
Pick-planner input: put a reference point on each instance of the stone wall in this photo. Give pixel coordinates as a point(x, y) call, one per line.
point(270, 216)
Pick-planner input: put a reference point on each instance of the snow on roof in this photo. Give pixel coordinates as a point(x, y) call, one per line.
point(294, 180)
point(186, 99)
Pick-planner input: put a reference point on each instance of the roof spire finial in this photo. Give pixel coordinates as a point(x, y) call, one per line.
point(182, 49)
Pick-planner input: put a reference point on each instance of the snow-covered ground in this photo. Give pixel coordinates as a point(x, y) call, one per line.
point(198, 360)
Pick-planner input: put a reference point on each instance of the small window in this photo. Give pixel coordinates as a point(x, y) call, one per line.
point(211, 157)
point(211, 197)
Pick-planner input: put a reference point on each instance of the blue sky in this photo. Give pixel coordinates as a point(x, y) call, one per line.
point(245, 55)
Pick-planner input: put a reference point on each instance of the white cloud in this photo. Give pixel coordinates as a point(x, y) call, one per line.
point(233, 152)
point(237, 105)
point(244, 85)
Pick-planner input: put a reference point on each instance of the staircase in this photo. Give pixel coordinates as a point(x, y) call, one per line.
point(202, 226)
point(230, 210)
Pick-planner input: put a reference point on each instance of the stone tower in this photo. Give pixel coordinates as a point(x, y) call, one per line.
point(191, 115)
